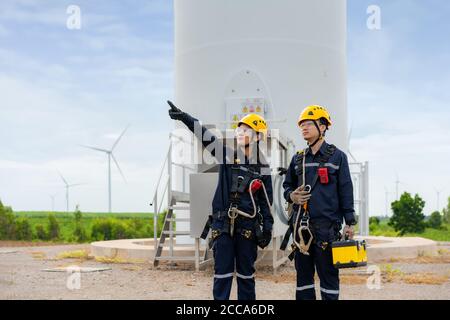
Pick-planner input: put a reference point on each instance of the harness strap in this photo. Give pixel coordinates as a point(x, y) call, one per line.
point(234, 212)
point(329, 151)
point(292, 254)
point(207, 227)
point(241, 177)
point(303, 214)
point(255, 234)
point(208, 224)
point(286, 238)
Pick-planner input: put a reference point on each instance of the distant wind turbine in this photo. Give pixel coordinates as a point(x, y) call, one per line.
point(438, 192)
point(348, 143)
point(110, 155)
point(68, 186)
point(386, 195)
point(397, 183)
point(52, 196)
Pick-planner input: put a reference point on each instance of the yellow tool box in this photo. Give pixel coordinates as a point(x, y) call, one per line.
point(349, 253)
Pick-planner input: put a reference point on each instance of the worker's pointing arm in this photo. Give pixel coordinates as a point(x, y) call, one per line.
point(176, 114)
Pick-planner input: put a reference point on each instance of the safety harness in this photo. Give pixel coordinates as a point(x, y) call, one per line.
point(244, 179)
point(299, 224)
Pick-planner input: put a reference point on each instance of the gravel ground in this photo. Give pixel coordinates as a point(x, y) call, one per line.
point(21, 277)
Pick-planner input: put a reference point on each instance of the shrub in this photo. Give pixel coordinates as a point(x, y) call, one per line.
point(374, 220)
point(79, 233)
point(7, 223)
point(101, 229)
point(120, 230)
point(136, 224)
point(53, 230)
point(435, 220)
point(77, 214)
point(41, 234)
point(446, 212)
point(23, 229)
point(110, 229)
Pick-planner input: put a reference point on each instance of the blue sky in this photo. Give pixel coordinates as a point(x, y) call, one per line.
point(61, 88)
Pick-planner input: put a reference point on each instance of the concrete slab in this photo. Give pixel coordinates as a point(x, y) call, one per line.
point(382, 248)
point(378, 248)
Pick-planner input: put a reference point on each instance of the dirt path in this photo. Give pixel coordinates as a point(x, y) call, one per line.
point(21, 277)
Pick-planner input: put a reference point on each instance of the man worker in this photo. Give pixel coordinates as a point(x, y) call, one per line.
point(319, 187)
point(241, 207)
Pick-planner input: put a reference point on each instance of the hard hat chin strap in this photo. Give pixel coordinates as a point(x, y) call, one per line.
point(253, 142)
point(319, 138)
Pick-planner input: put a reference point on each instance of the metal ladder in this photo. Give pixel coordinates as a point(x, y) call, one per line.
point(176, 200)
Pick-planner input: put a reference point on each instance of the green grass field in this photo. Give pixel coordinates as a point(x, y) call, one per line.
point(141, 222)
point(438, 235)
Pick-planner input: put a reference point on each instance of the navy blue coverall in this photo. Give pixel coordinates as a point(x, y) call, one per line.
point(237, 254)
point(329, 204)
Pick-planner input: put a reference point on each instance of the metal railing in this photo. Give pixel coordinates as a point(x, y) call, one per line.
point(360, 177)
point(156, 205)
point(166, 193)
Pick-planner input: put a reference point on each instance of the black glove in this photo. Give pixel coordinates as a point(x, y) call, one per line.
point(174, 112)
point(265, 240)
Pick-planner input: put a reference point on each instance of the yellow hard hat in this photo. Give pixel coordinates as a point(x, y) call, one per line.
point(254, 121)
point(314, 112)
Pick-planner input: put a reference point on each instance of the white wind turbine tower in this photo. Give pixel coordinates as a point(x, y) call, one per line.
point(68, 186)
point(386, 197)
point(438, 192)
point(397, 183)
point(110, 155)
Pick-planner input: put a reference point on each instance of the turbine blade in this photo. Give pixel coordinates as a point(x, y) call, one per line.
point(76, 184)
point(120, 137)
point(354, 159)
point(63, 178)
point(117, 164)
point(94, 148)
